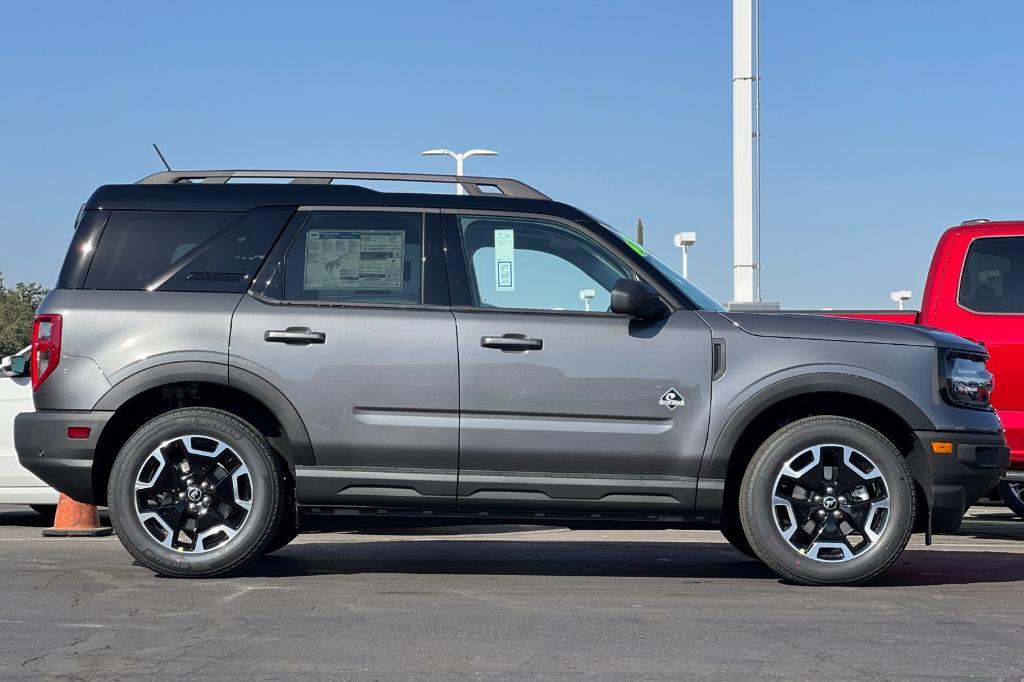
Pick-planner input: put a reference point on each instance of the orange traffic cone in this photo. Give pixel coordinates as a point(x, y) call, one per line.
point(76, 519)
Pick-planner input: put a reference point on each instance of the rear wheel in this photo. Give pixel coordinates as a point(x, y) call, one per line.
point(1012, 493)
point(828, 501)
point(196, 492)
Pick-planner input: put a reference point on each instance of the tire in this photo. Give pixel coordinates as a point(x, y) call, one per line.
point(828, 501)
point(47, 510)
point(1013, 496)
point(196, 493)
point(733, 532)
point(287, 531)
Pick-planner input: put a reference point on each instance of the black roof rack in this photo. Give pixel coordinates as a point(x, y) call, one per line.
point(472, 185)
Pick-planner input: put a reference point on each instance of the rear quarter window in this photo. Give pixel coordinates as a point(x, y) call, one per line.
point(212, 251)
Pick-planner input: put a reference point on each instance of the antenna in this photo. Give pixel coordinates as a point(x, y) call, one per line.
point(161, 155)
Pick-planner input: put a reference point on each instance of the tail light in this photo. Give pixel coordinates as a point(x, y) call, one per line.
point(45, 348)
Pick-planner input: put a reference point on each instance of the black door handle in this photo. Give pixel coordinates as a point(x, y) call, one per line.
point(511, 342)
point(295, 336)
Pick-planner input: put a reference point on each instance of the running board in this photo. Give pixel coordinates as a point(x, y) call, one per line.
point(342, 513)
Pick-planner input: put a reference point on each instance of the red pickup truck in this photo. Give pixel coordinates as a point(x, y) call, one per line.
point(975, 289)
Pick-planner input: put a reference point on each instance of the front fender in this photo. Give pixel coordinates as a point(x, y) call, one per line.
point(747, 406)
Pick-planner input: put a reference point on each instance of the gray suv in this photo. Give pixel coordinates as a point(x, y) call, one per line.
point(225, 361)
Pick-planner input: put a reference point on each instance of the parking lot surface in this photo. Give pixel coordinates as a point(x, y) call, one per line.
point(524, 602)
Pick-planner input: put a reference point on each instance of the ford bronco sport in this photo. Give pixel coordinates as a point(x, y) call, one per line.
point(224, 360)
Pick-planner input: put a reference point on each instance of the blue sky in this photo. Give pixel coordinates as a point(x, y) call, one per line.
point(883, 122)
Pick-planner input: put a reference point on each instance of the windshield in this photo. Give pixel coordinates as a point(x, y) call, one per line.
point(688, 288)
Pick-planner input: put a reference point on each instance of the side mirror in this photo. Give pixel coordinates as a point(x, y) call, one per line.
point(637, 299)
point(14, 366)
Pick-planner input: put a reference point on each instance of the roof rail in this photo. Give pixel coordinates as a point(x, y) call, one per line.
point(974, 221)
point(472, 185)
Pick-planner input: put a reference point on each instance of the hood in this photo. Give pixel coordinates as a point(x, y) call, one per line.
point(823, 328)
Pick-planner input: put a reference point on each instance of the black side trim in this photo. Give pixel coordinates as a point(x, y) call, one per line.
point(717, 359)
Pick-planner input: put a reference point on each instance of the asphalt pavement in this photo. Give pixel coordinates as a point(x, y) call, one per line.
point(512, 602)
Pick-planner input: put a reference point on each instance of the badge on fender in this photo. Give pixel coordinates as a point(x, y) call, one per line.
point(672, 399)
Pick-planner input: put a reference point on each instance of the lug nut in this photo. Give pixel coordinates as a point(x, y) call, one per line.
point(837, 514)
point(829, 490)
point(817, 498)
point(181, 496)
point(206, 485)
point(206, 501)
point(192, 506)
point(190, 482)
point(821, 513)
point(842, 500)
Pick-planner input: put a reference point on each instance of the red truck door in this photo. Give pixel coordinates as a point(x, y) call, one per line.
point(981, 297)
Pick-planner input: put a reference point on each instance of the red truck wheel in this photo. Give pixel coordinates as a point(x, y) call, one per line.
point(1013, 496)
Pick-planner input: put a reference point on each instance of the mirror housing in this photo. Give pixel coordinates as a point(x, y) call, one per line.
point(637, 299)
point(14, 366)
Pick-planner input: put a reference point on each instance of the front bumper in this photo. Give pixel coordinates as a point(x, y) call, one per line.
point(960, 478)
point(41, 439)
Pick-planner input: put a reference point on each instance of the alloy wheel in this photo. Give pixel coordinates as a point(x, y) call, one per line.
point(193, 494)
point(831, 503)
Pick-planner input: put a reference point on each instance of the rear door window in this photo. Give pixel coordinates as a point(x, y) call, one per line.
point(993, 276)
point(356, 257)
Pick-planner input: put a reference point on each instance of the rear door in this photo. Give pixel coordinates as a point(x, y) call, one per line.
point(566, 406)
point(350, 321)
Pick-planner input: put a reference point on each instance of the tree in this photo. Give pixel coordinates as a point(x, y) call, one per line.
point(17, 309)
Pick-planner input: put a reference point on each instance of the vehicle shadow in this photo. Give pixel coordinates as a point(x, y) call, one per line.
point(693, 561)
point(11, 515)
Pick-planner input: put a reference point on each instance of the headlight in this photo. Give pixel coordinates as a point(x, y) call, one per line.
point(968, 383)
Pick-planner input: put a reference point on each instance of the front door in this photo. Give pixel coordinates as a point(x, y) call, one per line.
point(351, 322)
point(565, 405)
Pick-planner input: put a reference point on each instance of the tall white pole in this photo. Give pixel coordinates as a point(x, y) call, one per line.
point(458, 171)
point(686, 273)
point(742, 152)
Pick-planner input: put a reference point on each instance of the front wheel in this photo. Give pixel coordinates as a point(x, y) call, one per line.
point(1012, 493)
point(828, 501)
point(196, 492)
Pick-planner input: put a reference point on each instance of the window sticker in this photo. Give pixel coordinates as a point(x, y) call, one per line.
point(504, 260)
point(354, 259)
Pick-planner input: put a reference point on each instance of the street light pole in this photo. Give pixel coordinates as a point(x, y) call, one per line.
point(459, 159)
point(900, 296)
point(587, 295)
point(684, 240)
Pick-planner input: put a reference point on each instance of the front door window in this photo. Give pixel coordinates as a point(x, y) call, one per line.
point(537, 265)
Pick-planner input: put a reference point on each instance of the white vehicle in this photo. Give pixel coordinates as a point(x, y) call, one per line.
point(17, 485)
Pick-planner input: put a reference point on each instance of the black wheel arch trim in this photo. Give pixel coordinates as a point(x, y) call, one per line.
point(300, 447)
point(716, 465)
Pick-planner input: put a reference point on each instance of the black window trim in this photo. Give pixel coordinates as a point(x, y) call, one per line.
point(459, 271)
point(963, 272)
point(441, 300)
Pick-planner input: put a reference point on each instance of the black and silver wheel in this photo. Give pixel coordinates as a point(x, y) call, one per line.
point(1012, 493)
point(828, 500)
point(196, 492)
